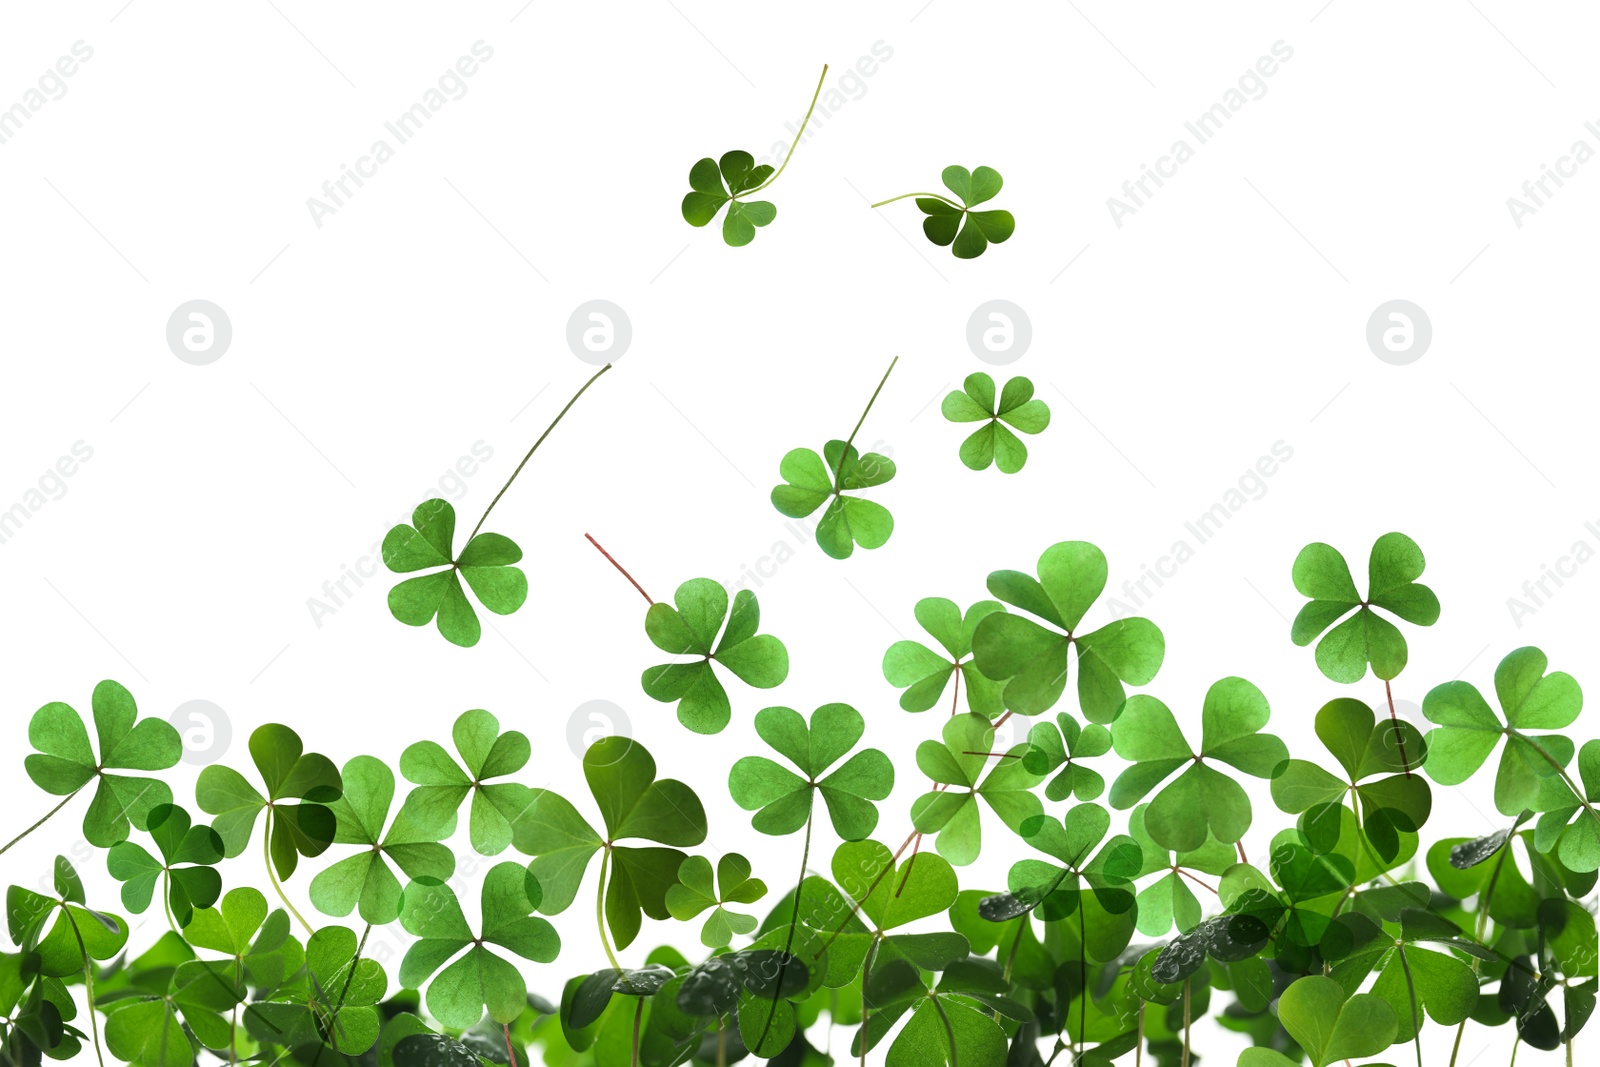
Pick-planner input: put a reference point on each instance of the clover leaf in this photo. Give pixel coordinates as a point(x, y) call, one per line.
point(634, 805)
point(331, 1003)
point(1412, 977)
point(365, 879)
point(479, 979)
point(1033, 660)
point(187, 866)
point(257, 940)
point(1168, 901)
point(718, 182)
point(690, 629)
point(65, 761)
point(1366, 637)
point(1057, 888)
point(1202, 798)
point(442, 784)
point(958, 761)
point(952, 1021)
point(35, 1015)
point(154, 1030)
point(783, 801)
point(695, 892)
point(1575, 843)
point(1297, 906)
point(993, 443)
point(77, 935)
point(809, 480)
point(1466, 730)
point(953, 222)
point(1065, 744)
point(485, 562)
point(924, 673)
point(290, 774)
point(1329, 1024)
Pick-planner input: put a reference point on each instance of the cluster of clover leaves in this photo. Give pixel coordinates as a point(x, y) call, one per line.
point(733, 181)
point(1132, 911)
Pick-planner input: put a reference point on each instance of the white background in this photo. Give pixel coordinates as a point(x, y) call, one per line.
point(428, 313)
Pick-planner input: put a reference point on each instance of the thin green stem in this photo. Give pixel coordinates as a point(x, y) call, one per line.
point(88, 982)
point(266, 855)
point(600, 909)
point(166, 900)
point(1394, 720)
point(932, 196)
point(798, 134)
point(866, 980)
point(534, 449)
point(1481, 927)
point(638, 1017)
point(41, 822)
point(1411, 988)
point(1577, 793)
point(1186, 1021)
point(333, 1020)
point(794, 923)
point(949, 1030)
point(838, 475)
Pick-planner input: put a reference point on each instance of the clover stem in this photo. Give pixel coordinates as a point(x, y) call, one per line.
point(1484, 900)
point(1198, 882)
point(534, 449)
point(621, 569)
point(1411, 988)
point(88, 982)
point(955, 697)
point(798, 134)
point(1399, 737)
point(1240, 846)
point(838, 475)
point(949, 1030)
point(638, 1017)
point(1577, 794)
point(355, 961)
point(600, 910)
point(932, 196)
point(511, 1057)
point(722, 1043)
point(1083, 976)
point(1001, 721)
point(42, 821)
point(266, 855)
point(1186, 1022)
point(866, 1005)
point(875, 882)
point(1138, 1040)
point(166, 901)
point(794, 923)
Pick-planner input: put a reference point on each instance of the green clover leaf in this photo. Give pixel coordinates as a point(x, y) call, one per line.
point(1412, 977)
point(290, 774)
point(1575, 843)
point(847, 521)
point(187, 865)
point(953, 222)
point(1033, 660)
point(1329, 1024)
point(77, 934)
point(691, 629)
point(1366, 637)
point(1466, 730)
point(958, 762)
point(634, 805)
point(257, 941)
point(952, 1022)
point(35, 1015)
point(486, 564)
point(1065, 744)
point(695, 892)
point(442, 784)
point(718, 182)
point(1202, 798)
point(1168, 901)
point(65, 761)
point(783, 801)
point(365, 880)
point(332, 1002)
point(1056, 889)
point(194, 997)
point(994, 443)
point(479, 979)
point(924, 673)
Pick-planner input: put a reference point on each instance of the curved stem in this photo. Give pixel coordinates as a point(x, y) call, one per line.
point(931, 196)
point(88, 981)
point(838, 475)
point(600, 910)
point(41, 822)
point(794, 923)
point(798, 134)
point(532, 450)
point(266, 855)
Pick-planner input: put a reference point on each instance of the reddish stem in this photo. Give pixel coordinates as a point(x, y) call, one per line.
point(620, 569)
point(1399, 735)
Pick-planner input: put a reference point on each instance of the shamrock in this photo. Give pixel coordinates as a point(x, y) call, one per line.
point(1058, 889)
point(1565, 960)
point(1310, 888)
point(187, 867)
point(759, 660)
point(1168, 901)
point(952, 1021)
point(634, 805)
point(1411, 977)
point(1067, 745)
point(257, 941)
point(1321, 573)
point(1398, 802)
point(290, 774)
point(783, 801)
point(848, 520)
point(442, 784)
point(923, 673)
point(65, 762)
point(486, 564)
point(153, 1029)
point(1329, 1024)
point(1467, 729)
point(993, 442)
point(34, 1015)
point(741, 175)
point(952, 222)
point(332, 1002)
point(959, 761)
point(1202, 797)
point(365, 879)
point(78, 934)
point(1033, 659)
point(478, 980)
point(695, 892)
point(1578, 844)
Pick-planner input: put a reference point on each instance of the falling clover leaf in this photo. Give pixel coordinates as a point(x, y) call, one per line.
point(810, 480)
point(1343, 654)
point(759, 660)
point(994, 443)
point(958, 761)
point(65, 761)
point(695, 892)
point(952, 222)
point(485, 563)
point(923, 673)
point(1202, 797)
point(1032, 660)
point(714, 183)
point(479, 979)
point(187, 866)
point(782, 800)
point(442, 784)
point(365, 879)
